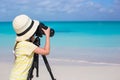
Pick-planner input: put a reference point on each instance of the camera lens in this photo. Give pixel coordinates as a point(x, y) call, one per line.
point(40, 32)
point(52, 32)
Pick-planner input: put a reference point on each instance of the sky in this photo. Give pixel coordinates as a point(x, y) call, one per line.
point(61, 10)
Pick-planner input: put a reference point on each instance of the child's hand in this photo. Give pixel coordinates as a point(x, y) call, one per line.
point(47, 32)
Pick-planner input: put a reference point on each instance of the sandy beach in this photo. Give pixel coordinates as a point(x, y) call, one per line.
point(69, 72)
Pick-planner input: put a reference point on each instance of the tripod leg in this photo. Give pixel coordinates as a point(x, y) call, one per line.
point(48, 67)
point(37, 65)
point(30, 74)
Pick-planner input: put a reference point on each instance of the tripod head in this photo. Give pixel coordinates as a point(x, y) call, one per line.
point(37, 41)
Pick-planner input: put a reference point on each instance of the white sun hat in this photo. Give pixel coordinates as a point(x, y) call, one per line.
point(24, 27)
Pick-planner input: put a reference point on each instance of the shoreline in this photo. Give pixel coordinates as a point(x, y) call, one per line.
point(91, 56)
point(65, 62)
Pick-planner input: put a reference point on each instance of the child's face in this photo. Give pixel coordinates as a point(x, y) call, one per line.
point(32, 38)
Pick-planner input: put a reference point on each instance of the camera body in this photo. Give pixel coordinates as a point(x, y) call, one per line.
point(40, 32)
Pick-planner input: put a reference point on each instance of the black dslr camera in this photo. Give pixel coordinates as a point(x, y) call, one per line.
point(40, 32)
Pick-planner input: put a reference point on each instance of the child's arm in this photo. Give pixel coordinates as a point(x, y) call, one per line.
point(46, 49)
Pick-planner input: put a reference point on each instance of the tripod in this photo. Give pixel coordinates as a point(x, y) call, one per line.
point(35, 63)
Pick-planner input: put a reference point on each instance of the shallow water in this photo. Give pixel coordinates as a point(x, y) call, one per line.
point(93, 42)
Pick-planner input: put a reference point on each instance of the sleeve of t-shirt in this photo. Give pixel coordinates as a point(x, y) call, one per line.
point(30, 48)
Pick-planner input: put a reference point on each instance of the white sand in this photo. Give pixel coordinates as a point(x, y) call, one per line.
point(67, 72)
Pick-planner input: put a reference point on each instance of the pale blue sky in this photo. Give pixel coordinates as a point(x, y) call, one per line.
point(57, 10)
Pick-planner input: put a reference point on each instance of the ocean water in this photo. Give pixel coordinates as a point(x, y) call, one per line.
point(86, 42)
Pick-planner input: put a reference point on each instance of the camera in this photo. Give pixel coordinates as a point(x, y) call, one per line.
point(40, 32)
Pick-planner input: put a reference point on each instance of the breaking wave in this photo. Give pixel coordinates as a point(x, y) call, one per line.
point(81, 61)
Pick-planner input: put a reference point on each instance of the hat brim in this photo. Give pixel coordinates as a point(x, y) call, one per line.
point(29, 33)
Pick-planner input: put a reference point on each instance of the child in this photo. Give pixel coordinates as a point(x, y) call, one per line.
point(24, 48)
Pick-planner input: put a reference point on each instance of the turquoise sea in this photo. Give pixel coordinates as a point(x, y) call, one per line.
point(80, 42)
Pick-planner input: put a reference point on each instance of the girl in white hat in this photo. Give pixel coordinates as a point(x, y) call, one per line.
point(24, 49)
